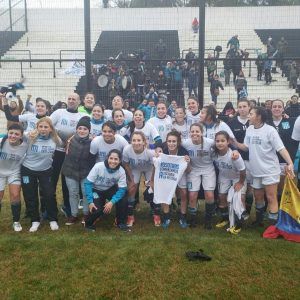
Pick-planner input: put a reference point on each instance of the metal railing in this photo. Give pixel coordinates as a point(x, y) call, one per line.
point(29, 56)
point(67, 50)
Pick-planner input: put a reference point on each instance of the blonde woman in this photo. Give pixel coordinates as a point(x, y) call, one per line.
point(36, 172)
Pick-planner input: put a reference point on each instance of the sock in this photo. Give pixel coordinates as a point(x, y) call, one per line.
point(193, 215)
point(224, 213)
point(131, 201)
point(260, 210)
point(209, 210)
point(16, 210)
point(249, 202)
point(166, 216)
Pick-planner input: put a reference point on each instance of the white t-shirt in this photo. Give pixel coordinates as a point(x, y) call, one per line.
point(263, 143)
point(142, 161)
point(101, 148)
point(229, 169)
point(183, 129)
point(127, 114)
point(168, 171)
point(103, 179)
point(39, 155)
point(30, 120)
point(192, 119)
point(11, 158)
point(65, 124)
point(148, 130)
point(163, 126)
point(210, 132)
point(201, 156)
point(296, 130)
point(96, 129)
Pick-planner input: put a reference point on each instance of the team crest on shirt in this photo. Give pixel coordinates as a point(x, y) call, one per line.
point(285, 125)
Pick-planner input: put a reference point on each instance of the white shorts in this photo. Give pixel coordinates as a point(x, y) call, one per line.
point(224, 186)
point(282, 169)
point(249, 177)
point(138, 173)
point(11, 179)
point(260, 182)
point(208, 181)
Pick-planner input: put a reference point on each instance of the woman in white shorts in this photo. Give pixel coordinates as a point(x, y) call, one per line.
point(200, 151)
point(138, 161)
point(232, 172)
point(263, 142)
point(12, 152)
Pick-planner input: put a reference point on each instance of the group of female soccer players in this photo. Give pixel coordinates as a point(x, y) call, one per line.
point(108, 155)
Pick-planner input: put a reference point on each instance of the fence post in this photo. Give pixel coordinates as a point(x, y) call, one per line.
point(54, 71)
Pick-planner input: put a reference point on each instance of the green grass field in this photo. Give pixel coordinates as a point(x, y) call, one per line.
point(147, 263)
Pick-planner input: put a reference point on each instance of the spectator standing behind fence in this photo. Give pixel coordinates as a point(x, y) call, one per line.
point(260, 66)
point(241, 86)
point(227, 68)
point(234, 41)
point(192, 82)
point(161, 49)
point(282, 47)
point(195, 25)
point(215, 86)
point(211, 67)
point(293, 110)
point(267, 70)
point(293, 75)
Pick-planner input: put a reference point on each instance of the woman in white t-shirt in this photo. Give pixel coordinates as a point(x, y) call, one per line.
point(200, 151)
point(97, 120)
point(263, 142)
point(180, 123)
point(138, 161)
point(162, 122)
point(138, 124)
point(211, 124)
point(232, 172)
point(193, 111)
point(109, 140)
point(118, 118)
point(12, 151)
point(106, 187)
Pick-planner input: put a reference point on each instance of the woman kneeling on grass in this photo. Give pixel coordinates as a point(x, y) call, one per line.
point(36, 172)
point(12, 151)
point(107, 181)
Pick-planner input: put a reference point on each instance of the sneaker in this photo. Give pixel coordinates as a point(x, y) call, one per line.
point(234, 230)
point(245, 215)
point(183, 223)
point(71, 221)
point(166, 223)
point(53, 225)
point(91, 228)
point(34, 226)
point(156, 220)
point(17, 226)
point(80, 204)
point(130, 221)
point(124, 227)
point(222, 224)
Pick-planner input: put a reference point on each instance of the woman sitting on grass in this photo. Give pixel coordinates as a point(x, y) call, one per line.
point(12, 151)
point(107, 181)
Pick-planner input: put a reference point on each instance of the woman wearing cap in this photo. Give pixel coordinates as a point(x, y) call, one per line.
point(77, 164)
